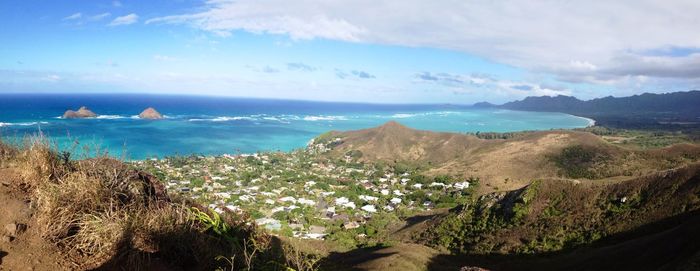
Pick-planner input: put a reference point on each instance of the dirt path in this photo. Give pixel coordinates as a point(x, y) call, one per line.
point(21, 245)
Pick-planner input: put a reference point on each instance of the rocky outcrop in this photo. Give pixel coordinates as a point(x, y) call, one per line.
point(82, 113)
point(151, 114)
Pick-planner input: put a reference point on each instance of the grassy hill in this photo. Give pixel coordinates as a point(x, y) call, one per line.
point(551, 215)
point(552, 200)
point(556, 225)
point(508, 164)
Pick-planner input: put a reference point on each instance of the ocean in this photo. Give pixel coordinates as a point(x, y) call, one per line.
point(218, 125)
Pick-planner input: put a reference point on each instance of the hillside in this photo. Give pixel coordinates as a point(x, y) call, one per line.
point(580, 226)
point(649, 223)
point(508, 164)
point(669, 110)
point(585, 204)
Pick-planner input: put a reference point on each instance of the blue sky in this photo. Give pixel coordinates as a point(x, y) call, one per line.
point(367, 51)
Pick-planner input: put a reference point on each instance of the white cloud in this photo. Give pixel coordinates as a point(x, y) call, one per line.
point(565, 38)
point(52, 78)
point(125, 20)
point(488, 85)
point(164, 58)
point(100, 16)
point(73, 16)
point(224, 17)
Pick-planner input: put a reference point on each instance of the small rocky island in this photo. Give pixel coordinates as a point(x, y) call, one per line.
point(82, 113)
point(151, 114)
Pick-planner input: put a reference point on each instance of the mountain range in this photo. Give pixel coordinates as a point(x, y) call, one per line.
point(667, 110)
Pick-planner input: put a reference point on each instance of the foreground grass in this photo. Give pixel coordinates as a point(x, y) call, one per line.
point(106, 215)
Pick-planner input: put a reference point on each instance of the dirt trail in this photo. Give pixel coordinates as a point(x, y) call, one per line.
point(21, 245)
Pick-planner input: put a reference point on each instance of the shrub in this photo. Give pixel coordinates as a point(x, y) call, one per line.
point(576, 161)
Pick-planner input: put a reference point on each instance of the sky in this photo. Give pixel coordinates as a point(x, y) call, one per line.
point(379, 51)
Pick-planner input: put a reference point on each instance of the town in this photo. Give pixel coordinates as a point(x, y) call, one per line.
point(309, 195)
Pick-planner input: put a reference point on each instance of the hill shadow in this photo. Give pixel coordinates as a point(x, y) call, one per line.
point(347, 260)
point(2, 255)
point(669, 244)
point(412, 221)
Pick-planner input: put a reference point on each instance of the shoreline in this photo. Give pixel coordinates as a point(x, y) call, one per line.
point(591, 122)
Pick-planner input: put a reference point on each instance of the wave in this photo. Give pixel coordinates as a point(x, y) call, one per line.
point(220, 119)
point(3, 124)
point(110, 117)
point(102, 117)
point(282, 120)
point(591, 122)
point(411, 115)
point(262, 117)
point(324, 118)
point(403, 116)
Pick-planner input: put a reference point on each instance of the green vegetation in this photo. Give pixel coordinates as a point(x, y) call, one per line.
point(307, 195)
point(577, 161)
point(645, 139)
point(465, 229)
point(495, 135)
point(520, 207)
point(558, 215)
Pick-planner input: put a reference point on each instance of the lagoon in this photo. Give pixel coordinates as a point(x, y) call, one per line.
point(218, 125)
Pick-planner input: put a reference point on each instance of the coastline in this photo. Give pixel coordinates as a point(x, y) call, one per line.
point(591, 122)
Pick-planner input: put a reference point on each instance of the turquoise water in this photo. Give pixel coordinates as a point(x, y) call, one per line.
point(215, 125)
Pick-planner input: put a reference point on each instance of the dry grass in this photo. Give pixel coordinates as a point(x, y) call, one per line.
point(107, 215)
point(38, 162)
point(7, 152)
point(298, 257)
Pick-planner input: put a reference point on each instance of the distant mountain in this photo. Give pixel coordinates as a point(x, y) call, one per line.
point(483, 105)
point(668, 109)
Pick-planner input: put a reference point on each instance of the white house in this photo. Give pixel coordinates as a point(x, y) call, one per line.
point(306, 201)
point(462, 185)
point(341, 201)
point(367, 198)
point(369, 208)
point(288, 199)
